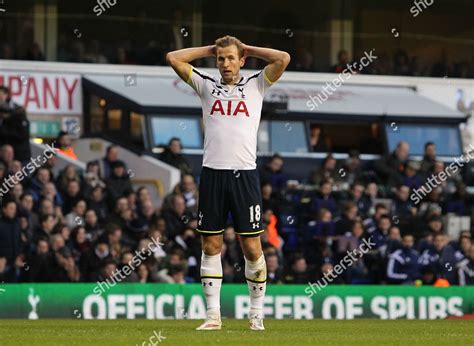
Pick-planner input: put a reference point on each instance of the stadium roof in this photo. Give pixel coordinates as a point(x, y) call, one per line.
point(151, 94)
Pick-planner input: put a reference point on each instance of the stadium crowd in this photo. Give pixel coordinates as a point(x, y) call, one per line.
point(398, 63)
point(84, 226)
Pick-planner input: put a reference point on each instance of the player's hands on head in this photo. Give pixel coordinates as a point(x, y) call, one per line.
point(245, 51)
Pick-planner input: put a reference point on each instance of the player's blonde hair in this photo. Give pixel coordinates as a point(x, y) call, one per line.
point(229, 41)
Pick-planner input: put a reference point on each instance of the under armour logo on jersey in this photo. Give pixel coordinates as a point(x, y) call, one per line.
point(260, 288)
point(255, 225)
point(216, 92)
point(208, 283)
point(242, 92)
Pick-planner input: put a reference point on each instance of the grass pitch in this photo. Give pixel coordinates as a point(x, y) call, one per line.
point(236, 332)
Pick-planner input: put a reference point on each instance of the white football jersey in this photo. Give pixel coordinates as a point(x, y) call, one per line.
point(231, 116)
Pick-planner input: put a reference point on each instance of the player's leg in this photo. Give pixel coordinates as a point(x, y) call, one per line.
point(245, 205)
point(211, 279)
point(213, 211)
point(256, 275)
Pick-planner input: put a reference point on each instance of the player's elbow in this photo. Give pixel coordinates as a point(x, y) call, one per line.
point(170, 58)
point(285, 59)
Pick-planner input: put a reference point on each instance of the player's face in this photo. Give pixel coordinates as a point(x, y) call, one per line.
point(229, 63)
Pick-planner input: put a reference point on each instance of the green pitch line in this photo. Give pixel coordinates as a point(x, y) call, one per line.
point(236, 332)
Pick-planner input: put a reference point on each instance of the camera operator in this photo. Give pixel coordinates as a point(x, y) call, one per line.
point(14, 126)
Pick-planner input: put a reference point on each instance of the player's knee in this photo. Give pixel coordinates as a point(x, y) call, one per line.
point(211, 248)
point(252, 248)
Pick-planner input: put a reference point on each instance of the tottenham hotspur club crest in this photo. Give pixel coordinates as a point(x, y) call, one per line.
point(241, 90)
point(200, 219)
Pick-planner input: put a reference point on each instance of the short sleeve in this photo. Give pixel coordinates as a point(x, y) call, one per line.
point(197, 79)
point(263, 82)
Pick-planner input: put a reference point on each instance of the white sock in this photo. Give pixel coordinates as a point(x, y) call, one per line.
point(211, 278)
point(256, 275)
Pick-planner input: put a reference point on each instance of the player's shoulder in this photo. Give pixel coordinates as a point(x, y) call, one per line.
point(203, 74)
point(250, 77)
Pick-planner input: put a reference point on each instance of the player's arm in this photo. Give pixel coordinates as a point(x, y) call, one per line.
point(179, 59)
point(277, 61)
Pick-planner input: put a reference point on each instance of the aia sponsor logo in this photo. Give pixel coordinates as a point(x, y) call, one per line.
point(229, 108)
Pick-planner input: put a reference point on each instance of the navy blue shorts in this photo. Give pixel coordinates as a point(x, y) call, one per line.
point(222, 191)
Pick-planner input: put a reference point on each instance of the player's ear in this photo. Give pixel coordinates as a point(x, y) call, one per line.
point(242, 61)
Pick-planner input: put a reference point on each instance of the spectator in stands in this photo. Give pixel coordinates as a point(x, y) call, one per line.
point(304, 61)
point(71, 195)
point(176, 216)
point(350, 240)
point(92, 226)
point(298, 271)
point(97, 203)
point(456, 202)
point(318, 234)
point(326, 171)
point(125, 261)
point(435, 224)
point(342, 62)
point(37, 183)
point(273, 172)
point(118, 183)
point(269, 199)
point(47, 223)
point(360, 199)
point(317, 139)
point(92, 262)
point(172, 155)
point(411, 179)
point(7, 157)
point(466, 269)
point(10, 237)
point(429, 158)
point(349, 215)
point(392, 169)
point(187, 188)
point(105, 165)
point(80, 242)
point(64, 145)
point(401, 64)
point(352, 169)
point(64, 268)
point(402, 206)
point(49, 192)
point(403, 267)
point(40, 262)
point(92, 177)
point(325, 198)
point(326, 275)
point(274, 273)
point(34, 53)
point(14, 126)
point(114, 239)
point(77, 214)
point(394, 240)
point(440, 258)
